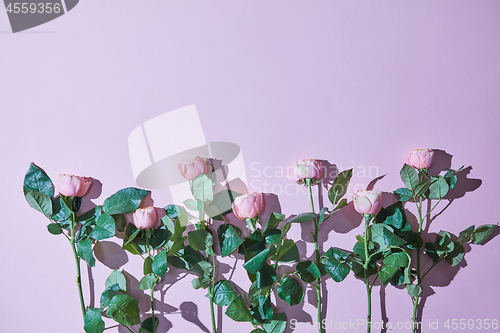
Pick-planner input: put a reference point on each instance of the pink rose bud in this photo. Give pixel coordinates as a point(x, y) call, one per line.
point(367, 202)
point(73, 186)
point(421, 158)
point(248, 206)
point(145, 218)
point(312, 169)
point(190, 169)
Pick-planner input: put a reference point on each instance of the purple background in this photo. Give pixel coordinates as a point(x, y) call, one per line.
point(358, 83)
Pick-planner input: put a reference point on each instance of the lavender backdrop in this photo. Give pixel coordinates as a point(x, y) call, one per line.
point(357, 83)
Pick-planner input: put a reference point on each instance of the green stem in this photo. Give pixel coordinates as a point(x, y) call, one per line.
point(77, 261)
point(419, 277)
point(152, 289)
point(153, 307)
point(367, 283)
point(211, 294)
point(415, 308)
point(369, 296)
point(316, 249)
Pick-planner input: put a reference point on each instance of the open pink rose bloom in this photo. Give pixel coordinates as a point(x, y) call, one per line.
point(73, 186)
point(311, 168)
point(421, 158)
point(190, 169)
point(367, 201)
point(248, 206)
point(145, 218)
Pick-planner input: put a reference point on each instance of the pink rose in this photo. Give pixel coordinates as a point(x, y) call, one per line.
point(145, 218)
point(73, 186)
point(367, 202)
point(421, 158)
point(312, 169)
point(190, 169)
point(248, 206)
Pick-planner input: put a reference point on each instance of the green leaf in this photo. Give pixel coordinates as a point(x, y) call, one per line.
point(398, 259)
point(200, 239)
point(61, 211)
point(159, 265)
point(465, 235)
point(403, 194)
point(147, 325)
point(272, 236)
point(391, 238)
point(255, 243)
point(409, 176)
point(147, 267)
point(322, 215)
point(482, 233)
point(124, 201)
point(451, 179)
point(254, 292)
point(384, 236)
point(265, 307)
point(414, 290)
point(202, 188)
point(341, 204)
point(394, 216)
point(201, 268)
point(257, 262)
point(336, 269)
point(455, 257)
point(257, 330)
point(303, 217)
point(443, 243)
point(116, 277)
point(173, 211)
point(105, 227)
point(277, 325)
point(224, 293)
point(266, 276)
point(288, 251)
point(339, 186)
point(438, 188)
point(39, 201)
point(36, 180)
point(422, 187)
point(229, 239)
point(54, 228)
point(129, 238)
point(93, 321)
point(148, 282)
point(221, 204)
point(238, 310)
point(359, 250)
point(191, 204)
point(108, 294)
point(159, 237)
point(337, 253)
point(386, 273)
point(84, 251)
point(274, 221)
point(430, 250)
point(290, 290)
point(308, 271)
point(124, 309)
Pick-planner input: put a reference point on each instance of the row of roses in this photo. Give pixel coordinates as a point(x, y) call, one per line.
point(383, 252)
